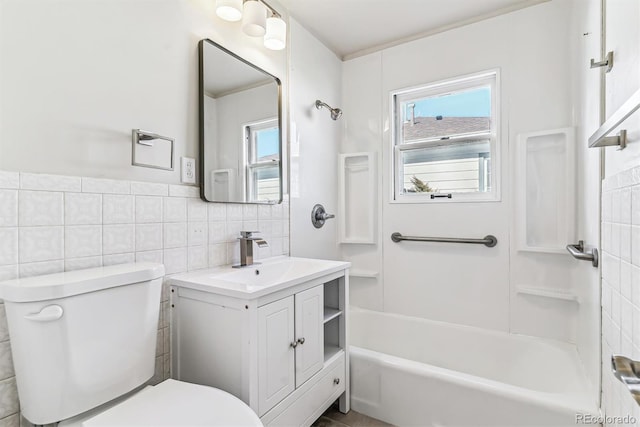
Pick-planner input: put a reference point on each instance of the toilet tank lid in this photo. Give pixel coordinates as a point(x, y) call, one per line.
point(69, 283)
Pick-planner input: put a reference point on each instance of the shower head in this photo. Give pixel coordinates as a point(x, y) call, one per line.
point(335, 112)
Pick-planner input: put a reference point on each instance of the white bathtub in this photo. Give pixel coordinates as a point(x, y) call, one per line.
point(414, 372)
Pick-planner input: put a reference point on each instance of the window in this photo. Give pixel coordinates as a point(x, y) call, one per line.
point(445, 140)
point(263, 160)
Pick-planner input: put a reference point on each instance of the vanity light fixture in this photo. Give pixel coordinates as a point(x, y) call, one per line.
point(276, 35)
point(255, 22)
point(254, 18)
point(229, 10)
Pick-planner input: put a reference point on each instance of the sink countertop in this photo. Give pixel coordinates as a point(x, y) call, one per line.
point(257, 280)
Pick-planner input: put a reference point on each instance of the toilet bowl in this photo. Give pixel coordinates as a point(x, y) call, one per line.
point(84, 343)
point(171, 403)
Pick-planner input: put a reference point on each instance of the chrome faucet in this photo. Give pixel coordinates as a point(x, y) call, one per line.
point(246, 247)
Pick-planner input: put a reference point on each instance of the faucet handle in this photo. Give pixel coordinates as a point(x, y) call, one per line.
point(247, 234)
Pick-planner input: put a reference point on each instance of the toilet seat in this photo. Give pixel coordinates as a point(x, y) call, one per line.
point(176, 403)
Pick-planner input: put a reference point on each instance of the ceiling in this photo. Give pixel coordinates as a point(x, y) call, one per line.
point(225, 74)
point(354, 27)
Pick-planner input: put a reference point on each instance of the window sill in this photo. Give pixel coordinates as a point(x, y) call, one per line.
point(466, 198)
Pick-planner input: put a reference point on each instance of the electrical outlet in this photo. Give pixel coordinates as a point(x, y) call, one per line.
point(188, 170)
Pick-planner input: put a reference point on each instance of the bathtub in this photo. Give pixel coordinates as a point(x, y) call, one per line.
point(414, 372)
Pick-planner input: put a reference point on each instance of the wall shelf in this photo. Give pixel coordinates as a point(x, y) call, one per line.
point(367, 274)
point(331, 313)
point(548, 293)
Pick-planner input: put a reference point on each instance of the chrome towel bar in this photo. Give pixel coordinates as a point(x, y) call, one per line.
point(577, 250)
point(627, 372)
point(600, 138)
point(489, 241)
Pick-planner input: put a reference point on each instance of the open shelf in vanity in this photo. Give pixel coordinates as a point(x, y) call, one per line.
point(334, 319)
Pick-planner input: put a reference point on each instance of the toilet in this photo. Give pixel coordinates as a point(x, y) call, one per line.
point(84, 343)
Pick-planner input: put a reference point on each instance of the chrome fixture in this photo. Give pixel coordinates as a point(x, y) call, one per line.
point(489, 240)
point(606, 141)
point(319, 215)
point(335, 112)
point(246, 248)
point(297, 342)
point(441, 195)
point(607, 62)
point(142, 137)
point(258, 20)
point(599, 137)
point(627, 371)
point(577, 250)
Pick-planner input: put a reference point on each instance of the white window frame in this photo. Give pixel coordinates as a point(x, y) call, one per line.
point(397, 97)
point(250, 162)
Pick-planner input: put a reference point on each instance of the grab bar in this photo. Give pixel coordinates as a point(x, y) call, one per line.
point(489, 241)
point(578, 253)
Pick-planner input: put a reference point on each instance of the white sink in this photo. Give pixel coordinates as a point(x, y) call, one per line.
point(259, 279)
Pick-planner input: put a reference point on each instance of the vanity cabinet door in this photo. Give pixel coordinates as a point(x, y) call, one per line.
point(276, 340)
point(309, 333)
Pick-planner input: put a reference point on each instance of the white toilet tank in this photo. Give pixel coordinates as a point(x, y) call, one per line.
point(82, 338)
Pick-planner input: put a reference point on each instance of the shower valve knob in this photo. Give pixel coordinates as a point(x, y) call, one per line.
point(319, 215)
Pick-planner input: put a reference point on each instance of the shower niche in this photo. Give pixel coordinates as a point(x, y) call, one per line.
point(356, 198)
point(545, 189)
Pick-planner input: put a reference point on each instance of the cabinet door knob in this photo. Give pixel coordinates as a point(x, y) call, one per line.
point(294, 344)
point(336, 381)
point(301, 340)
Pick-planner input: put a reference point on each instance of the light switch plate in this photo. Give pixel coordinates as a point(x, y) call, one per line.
point(188, 170)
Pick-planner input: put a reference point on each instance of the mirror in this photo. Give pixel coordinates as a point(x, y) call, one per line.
point(240, 122)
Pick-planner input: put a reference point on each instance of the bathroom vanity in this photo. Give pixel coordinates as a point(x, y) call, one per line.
point(272, 334)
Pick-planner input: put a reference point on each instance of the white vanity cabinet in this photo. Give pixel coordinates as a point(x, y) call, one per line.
point(281, 347)
point(290, 344)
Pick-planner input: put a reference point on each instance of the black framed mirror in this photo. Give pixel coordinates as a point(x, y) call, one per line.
point(240, 129)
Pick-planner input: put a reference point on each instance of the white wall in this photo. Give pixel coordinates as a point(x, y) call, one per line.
point(78, 75)
point(464, 284)
point(585, 37)
point(315, 141)
point(362, 100)
point(623, 38)
point(621, 210)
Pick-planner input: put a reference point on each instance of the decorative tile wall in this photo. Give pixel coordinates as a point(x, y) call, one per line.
point(620, 260)
point(51, 223)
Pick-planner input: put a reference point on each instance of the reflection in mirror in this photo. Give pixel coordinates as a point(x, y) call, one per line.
point(240, 122)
